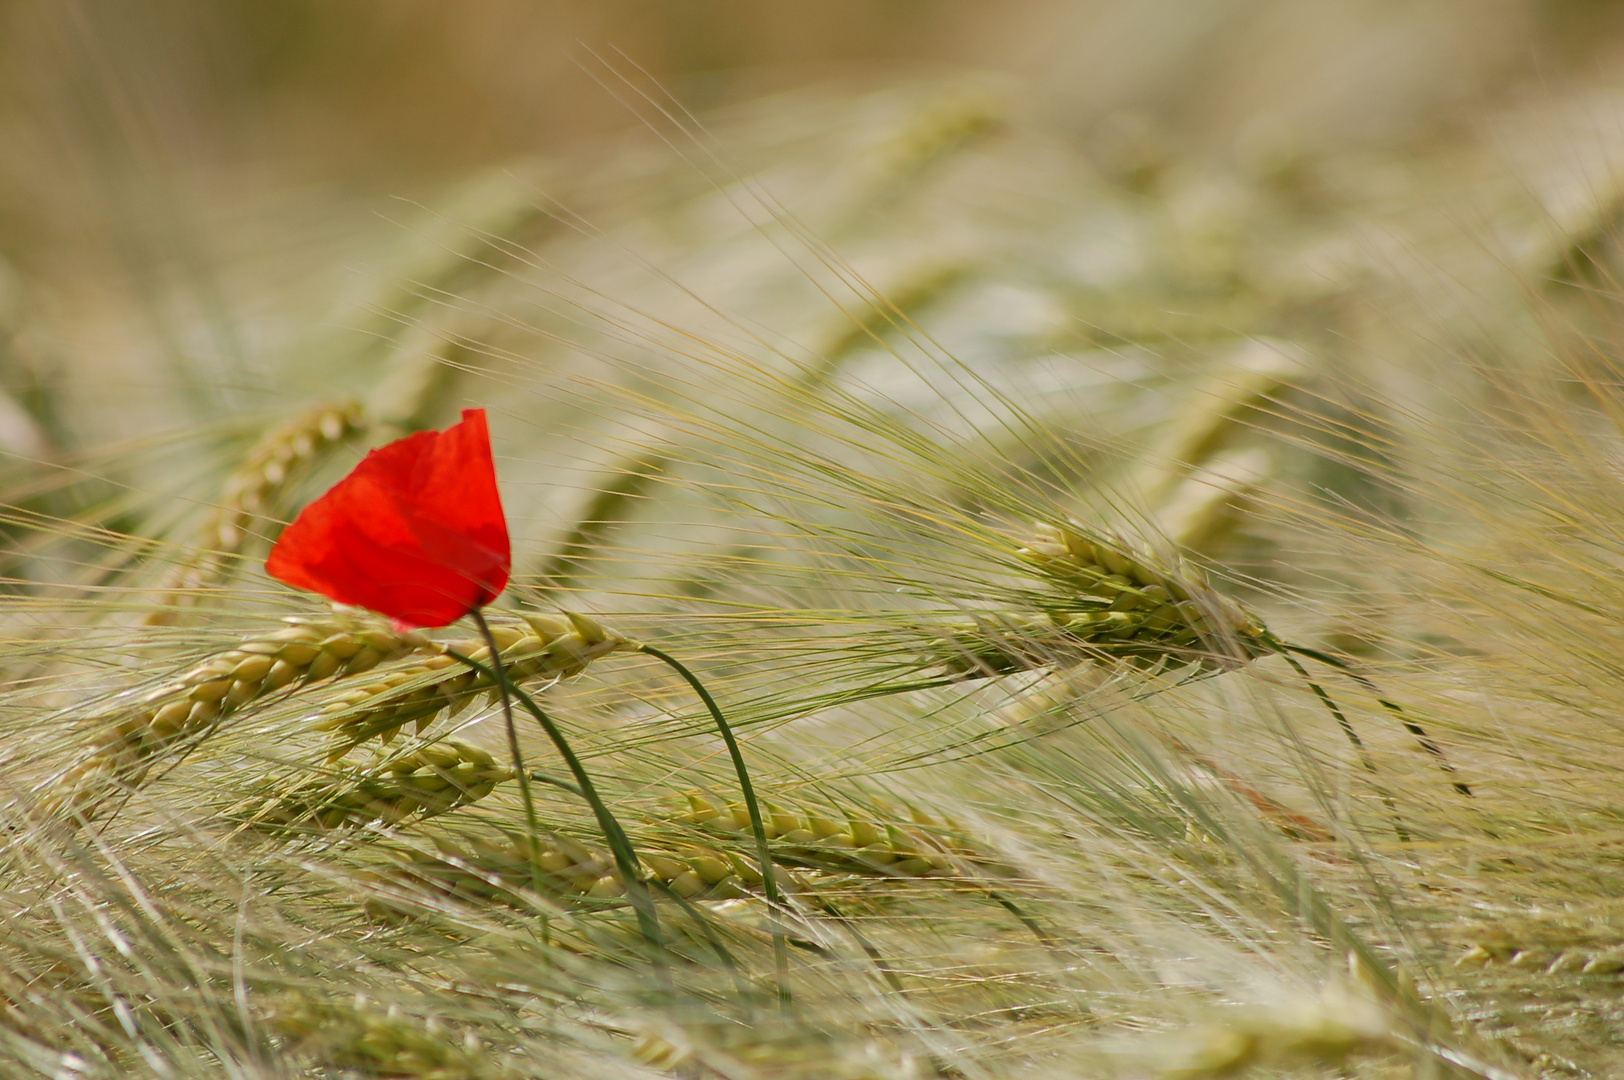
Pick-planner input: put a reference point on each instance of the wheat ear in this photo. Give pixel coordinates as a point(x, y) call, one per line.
point(1110, 604)
point(1544, 959)
point(424, 782)
point(921, 846)
point(499, 867)
point(1193, 609)
point(355, 1035)
point(541, 647)
point(251, 492)
point(309, 649)
point(1117, 604)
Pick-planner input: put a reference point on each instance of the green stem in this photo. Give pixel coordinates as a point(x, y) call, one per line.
point(513, 742)
point(758, 826)
point(620, 845)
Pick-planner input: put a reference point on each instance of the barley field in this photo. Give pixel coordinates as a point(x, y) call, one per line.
point(1144, 484)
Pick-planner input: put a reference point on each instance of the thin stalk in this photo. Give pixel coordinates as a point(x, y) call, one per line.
point(1353, 737)
point(702, 920)
point(757, 825)
point(1043, 936)
point(513, 742)
point(1392, 707)
point(620, 844)
point(564, 785)
point(887, 972)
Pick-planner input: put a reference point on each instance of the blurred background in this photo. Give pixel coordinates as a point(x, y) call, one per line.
point(149, 145)
point(220, 207)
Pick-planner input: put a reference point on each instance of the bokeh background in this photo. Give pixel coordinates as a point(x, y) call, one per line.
point(152, 152)
point(215, 214)
point(214, 209)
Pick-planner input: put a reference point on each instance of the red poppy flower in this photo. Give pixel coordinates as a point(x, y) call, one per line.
point(416, 532)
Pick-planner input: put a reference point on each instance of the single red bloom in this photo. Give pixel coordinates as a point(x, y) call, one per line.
point(416, 532)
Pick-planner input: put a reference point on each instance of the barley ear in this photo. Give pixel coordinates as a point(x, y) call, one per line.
point(362, 1039)
point(310, 649)
point(538, 648)
point(430, 780)
point(251, 494)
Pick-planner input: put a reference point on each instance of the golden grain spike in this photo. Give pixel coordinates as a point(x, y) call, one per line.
point(919, 847)
point(539, 647)
point(482, 869)
point(1113, 603)
point(252, 492)
point(365, 1040)
point(308, 649)
point(505, 868)
point(430, 780)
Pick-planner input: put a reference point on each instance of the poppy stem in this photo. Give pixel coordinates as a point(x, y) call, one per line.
point(757, 825)
point(620, 844)
point(513, 744)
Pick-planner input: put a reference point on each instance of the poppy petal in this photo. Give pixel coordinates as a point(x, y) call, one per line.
point(416, 532)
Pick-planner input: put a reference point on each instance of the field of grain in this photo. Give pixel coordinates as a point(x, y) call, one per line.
point(1145, 487)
